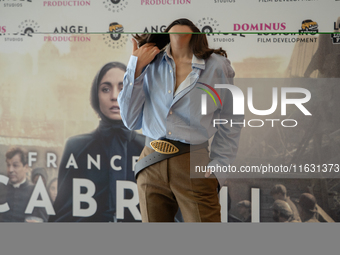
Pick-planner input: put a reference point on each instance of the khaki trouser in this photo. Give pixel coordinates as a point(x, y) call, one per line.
point(164, 186)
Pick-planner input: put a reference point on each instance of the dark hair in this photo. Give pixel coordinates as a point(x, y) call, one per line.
point(39, 171)
point(49, 186)
point(198, 42)
point(17, 150)
point(95, 84)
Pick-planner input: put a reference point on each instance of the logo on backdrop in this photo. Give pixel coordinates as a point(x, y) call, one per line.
point(224, 1)
point(276, 26)
point(211, 25)
point(280, 1)
point(3, 30)
point(208, 25)
point(165, 2)
point(115, 5)
point(114, 39)
point(73, 34)
point(70, 29)
point(14, 3)
point(309, 25)
point(155, 29)
point(25, 29)
point(28, 27)
point(66, 3)
point(336, 37)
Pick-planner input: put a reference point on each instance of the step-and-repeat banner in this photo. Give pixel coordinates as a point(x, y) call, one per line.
point(55, 54)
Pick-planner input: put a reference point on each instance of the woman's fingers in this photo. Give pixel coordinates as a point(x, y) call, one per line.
point(143, 50)
point(155, 50)
point(148, 45)
point(145, 55)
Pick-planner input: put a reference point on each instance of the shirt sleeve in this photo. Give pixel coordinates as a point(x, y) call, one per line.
point(131, 99)
point(224, 145)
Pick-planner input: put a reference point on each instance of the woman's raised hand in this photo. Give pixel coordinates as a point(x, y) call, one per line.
point(145, 54)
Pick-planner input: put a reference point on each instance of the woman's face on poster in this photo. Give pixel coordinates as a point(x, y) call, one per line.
point(109, 88)
point(53, 190)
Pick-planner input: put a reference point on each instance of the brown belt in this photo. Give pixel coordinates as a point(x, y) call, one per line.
point(164, 149)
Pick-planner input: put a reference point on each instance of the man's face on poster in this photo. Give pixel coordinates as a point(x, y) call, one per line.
point(16, 171)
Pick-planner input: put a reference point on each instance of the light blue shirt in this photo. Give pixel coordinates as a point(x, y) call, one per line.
point(149, 102)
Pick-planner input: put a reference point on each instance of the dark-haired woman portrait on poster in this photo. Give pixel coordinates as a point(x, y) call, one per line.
point(166, 77)
point(117, 147)
point(52, 189)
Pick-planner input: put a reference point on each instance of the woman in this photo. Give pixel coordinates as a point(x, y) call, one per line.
point(160, 96)
point(52, 189)
point(112, 141)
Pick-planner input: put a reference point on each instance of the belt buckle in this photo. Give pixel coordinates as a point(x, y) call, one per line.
point(164, 147)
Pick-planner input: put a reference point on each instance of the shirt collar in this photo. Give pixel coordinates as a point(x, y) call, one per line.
point(17, 185)
point(195, 62)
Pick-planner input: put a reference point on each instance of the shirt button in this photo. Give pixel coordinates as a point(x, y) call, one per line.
point(170, 71)
point(170, 112)
point(130, 83)
point(169, 133)
point(169, 91)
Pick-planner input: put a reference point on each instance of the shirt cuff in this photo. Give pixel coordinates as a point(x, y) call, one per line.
point(132, 67)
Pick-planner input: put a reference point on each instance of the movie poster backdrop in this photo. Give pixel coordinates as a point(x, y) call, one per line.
point(51, 52)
